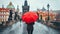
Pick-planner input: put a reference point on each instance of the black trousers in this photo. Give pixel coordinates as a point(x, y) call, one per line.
point(30, 29)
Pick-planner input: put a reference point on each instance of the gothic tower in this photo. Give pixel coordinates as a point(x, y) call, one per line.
point(25, 7)
point(17, 8)
point(2, 6)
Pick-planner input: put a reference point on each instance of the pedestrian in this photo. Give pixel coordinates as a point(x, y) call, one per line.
point(30, 28)
point(29, 18)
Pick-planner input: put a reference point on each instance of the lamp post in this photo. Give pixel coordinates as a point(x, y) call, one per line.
point(48, 11)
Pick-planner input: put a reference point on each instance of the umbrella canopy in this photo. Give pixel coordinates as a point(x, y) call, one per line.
point(29, 17)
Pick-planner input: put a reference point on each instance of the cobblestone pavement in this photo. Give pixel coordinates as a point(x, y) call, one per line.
point(20, 28)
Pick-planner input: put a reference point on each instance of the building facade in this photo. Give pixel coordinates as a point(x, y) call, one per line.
point(4, 14)
point(57, 15)
point(43, 15)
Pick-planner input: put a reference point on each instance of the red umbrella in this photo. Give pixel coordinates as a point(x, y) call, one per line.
point(29, 17)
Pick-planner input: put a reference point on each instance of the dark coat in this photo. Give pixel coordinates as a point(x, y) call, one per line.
point(30, 27)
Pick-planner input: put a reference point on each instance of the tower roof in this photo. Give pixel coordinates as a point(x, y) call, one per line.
point(4, 10)
point(17, 7)
point(25, 3)
point(10, 5)
point(43, 9)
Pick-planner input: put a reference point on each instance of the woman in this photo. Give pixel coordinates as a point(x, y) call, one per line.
point(30, 28)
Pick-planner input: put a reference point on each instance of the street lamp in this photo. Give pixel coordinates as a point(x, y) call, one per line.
point(48, 11)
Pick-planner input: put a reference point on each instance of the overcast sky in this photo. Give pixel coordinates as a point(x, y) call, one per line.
point(34, 4)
